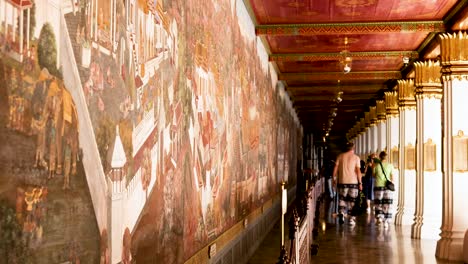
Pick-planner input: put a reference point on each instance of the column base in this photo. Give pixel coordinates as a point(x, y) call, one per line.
point(425, 229)
point(451, 248)
point(399, 216)
point(416, 227)
point(465, 248)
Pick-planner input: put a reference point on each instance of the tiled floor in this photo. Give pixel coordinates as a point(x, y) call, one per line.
point(364, 243)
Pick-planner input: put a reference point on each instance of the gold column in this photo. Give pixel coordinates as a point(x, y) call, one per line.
point(428, 214)
point(381, 126)
point(393, 141)
point(392, 115)
point(406, 152)
point(367, 123)
point(454, 61)
point(373, 129)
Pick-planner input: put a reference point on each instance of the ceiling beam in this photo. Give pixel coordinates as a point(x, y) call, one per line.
point(333, 88)
point(333, 56)
point(345, 97)
point(351, 28)
point(326, 76)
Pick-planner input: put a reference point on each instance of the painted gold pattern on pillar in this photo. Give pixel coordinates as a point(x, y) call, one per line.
point(381, 111)
point(373, 115)
point(428, 83)
point(395, 157)
point(410, 154)
point(460, 152)
point(391, 103)
point(406, 94)
point(430, 162)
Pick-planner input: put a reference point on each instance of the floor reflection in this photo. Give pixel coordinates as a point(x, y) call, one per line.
point(367, 243)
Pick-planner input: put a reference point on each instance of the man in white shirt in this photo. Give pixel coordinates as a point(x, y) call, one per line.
point(347, 177)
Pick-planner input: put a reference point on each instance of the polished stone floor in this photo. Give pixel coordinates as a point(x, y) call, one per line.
point(363, 243)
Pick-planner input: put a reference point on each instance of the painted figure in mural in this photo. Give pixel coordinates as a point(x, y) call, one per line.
point(126, 249)
point(67, 164)
point(105, 252)
point(52, 148)
point(146, 169)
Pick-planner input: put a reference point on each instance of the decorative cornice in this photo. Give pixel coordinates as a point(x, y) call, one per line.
point(391, 103)
point(324, 76)
point(453, 53)
point(351, 28)
point(406, 93)
point(373, 114)
point(427, 79)
point(327, 56)
point(381, 110)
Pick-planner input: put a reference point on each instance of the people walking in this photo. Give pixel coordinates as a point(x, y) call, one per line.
point(368, 181)
point(383, 197)
point(347, 178)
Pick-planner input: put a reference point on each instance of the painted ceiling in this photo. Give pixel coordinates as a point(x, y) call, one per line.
point(308, 41)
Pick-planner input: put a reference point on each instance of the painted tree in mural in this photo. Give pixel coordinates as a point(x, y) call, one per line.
point(47, 50)
point(13, 244)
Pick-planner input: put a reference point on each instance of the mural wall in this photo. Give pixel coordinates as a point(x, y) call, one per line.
point(191, 131)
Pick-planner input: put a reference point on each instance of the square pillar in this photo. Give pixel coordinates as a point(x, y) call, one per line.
point(455, 148)
point(406, 153)
point(428, 214)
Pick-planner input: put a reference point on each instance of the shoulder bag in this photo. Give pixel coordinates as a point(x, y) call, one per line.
point(388, 184)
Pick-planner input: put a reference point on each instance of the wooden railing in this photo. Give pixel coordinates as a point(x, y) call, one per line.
point(302, 225)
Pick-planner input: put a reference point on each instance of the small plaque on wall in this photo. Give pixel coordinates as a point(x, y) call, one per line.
point(410, 160)
point(212, 250)
point(395, 157)
point(460, 152)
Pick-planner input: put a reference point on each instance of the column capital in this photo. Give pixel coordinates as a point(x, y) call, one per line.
point(406, 94)
point(381, 110)
point(427, 80)
point(391, 103)
point(367, 120)
point(362, 125)
point(453, 51)
point(373, 115)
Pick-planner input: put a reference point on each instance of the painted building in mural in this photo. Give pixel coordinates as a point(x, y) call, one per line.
point(134, 131)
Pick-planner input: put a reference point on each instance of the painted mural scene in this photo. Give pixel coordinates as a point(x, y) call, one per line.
point(130, 132)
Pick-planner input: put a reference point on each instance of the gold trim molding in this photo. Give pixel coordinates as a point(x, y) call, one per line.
point(428, 82)
point(391, 103)
point(381, 113)
point(406, 92)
